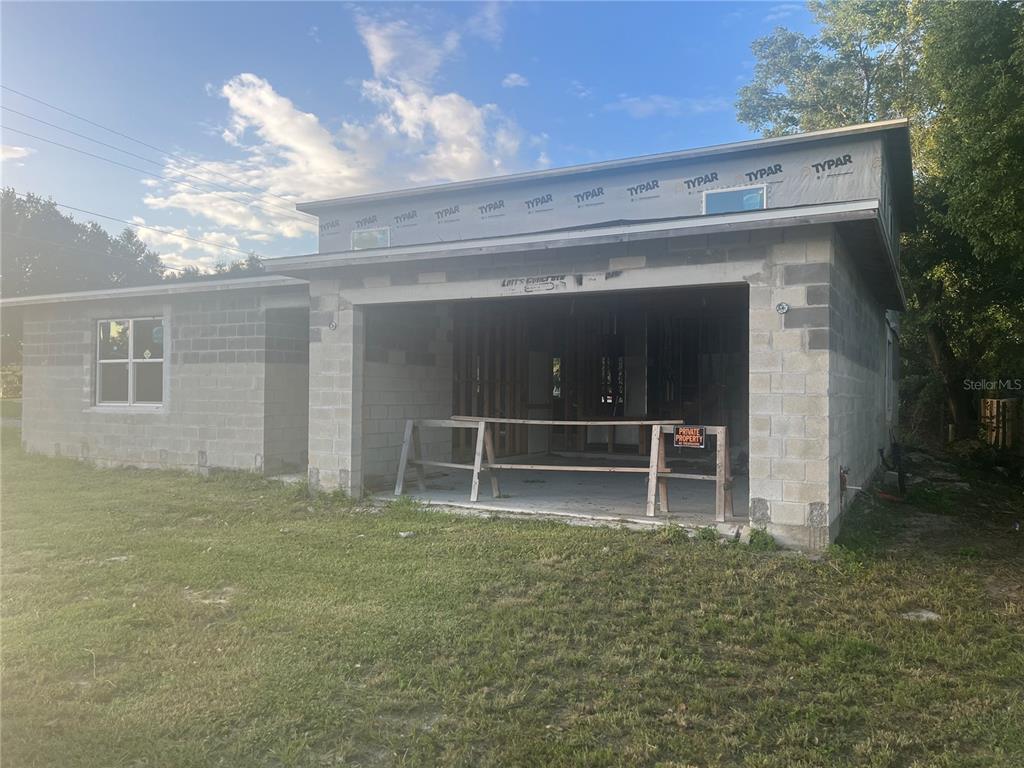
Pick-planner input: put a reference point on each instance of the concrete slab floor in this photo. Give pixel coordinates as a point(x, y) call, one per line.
point(596, 496)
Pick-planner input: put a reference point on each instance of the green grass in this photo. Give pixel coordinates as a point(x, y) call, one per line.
point(10, 409)
point(162, 619)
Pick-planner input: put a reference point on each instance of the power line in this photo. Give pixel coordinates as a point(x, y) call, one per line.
point(139, 141)
point(146, 226)
point(70, 247)
point(143, 171)
point(290, 211)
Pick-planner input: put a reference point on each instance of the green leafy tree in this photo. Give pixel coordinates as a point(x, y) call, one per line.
point(45, 251)
point(956, 70)
point(250, 265)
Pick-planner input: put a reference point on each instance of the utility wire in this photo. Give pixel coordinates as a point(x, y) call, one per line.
point(70, 247)
point(146, 226)
point(290, 211)
point(143, 171)
point(175, 155)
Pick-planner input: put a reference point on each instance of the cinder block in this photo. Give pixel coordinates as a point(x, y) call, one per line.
point(760, 425)
point(787, 426)
point(788, 513)
point(795, 296)
point(806, 448)
point(765, 362)
point(806, 317)
point(627, 262)
point(765, 447)
point(765, 404)
point(788, 341)
point(806, 274)
point(760, 383)
point(769, 489)
point(805, 405)
point(818, 472)
point(760, 467)
point(803, 492)
point(788, 252)
point(787, 469)
point(787, 383)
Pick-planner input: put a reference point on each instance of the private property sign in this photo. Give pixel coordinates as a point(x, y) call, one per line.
point(688, 437)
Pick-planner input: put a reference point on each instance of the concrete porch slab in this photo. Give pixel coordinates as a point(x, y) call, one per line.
point(603, 497)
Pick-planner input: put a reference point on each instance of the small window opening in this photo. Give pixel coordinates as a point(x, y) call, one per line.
point(734, 200)
point(367, 239)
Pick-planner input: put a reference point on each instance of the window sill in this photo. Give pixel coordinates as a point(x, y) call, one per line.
point(152, 409)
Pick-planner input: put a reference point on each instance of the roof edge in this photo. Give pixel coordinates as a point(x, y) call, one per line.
point(608, 165)
point(158, 289)
point(639, 230)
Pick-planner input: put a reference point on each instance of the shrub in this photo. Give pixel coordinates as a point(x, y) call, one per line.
point(762, 541)
point(710, 533)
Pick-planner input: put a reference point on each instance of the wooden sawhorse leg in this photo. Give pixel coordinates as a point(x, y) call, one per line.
point(491, 460)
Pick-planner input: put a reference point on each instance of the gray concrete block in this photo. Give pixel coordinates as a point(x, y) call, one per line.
point(806, 317)
point(806, 274)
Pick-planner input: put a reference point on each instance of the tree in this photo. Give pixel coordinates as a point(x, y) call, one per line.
point(250, 265)
point(862, 66)
point(956, 70)
point(46, 251)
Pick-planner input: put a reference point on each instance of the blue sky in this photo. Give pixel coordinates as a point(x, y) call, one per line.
point(303, 101)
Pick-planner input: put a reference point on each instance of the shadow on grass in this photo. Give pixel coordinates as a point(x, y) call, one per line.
point(978, 518)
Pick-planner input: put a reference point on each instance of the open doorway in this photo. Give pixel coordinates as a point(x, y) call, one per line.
point(674, 354)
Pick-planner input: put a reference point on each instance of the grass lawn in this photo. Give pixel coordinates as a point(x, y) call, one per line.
point(162, 619)
point(10, 409)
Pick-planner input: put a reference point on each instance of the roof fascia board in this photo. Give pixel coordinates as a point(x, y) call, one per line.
point(171, 289)
point(697, 225)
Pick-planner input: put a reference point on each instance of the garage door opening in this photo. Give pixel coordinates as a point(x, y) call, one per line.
point(672, 355)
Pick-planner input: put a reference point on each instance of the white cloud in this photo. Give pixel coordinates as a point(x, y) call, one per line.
point(314, 34)
point(398, 50)
point(780, 12)
point(177, 252)
point(11, 152)
point(514, 80)
point(417, 134)
point(579, 90)
point(656, 104)
point(487, 23)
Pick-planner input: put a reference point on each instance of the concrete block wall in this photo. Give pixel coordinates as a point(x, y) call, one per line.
point(335, 389)
point(212, 415)
point(407, 374)
point(817, 383)
point(858, 424)
point(791, 477)
point(286, 396)
point(356, 366)
point(812, 382)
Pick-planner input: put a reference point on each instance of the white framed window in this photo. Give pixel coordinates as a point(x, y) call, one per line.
point(365, 239)
point(735, 199)
point(130, 362)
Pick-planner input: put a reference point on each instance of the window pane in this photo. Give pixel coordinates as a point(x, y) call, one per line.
point(148, 339)
point(732, 200)
point(113, 382)
point(114, 340)
point(370, 238)
point(149, 382)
